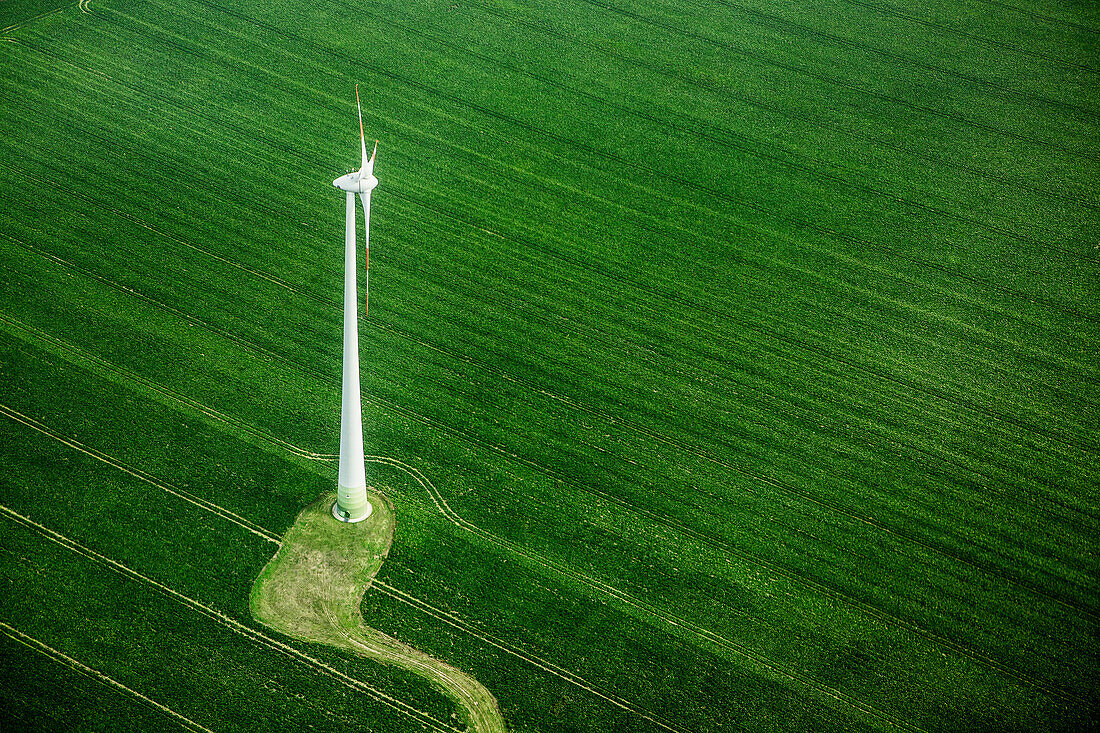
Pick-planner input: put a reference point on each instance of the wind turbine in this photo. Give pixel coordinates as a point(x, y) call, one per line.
point(352, 504)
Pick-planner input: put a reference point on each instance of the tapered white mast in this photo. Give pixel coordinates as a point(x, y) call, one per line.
point(352, 504)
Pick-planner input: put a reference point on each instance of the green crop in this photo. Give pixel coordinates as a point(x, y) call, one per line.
point(729, 366)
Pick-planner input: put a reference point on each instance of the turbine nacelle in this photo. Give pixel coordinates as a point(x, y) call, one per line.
point(356, 182)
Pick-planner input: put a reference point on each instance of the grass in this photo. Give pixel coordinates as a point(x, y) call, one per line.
point(730, 366)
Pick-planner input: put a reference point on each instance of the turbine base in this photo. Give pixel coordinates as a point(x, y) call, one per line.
point(345, 516)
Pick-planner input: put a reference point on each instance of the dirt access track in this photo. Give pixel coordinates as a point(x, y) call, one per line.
point(313, 589)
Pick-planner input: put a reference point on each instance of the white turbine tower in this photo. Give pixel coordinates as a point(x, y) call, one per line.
point(352, 504)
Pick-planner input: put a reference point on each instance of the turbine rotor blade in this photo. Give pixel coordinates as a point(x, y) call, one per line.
point(365, 198)
point(362, 137)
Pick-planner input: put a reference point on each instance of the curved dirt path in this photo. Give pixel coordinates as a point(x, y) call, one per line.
point(312, 590)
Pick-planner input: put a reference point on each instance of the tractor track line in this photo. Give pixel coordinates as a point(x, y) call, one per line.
point(226, 621)
point(65, 660)
point(555, 568)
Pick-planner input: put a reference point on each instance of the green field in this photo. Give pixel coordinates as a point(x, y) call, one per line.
point(730, 366)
